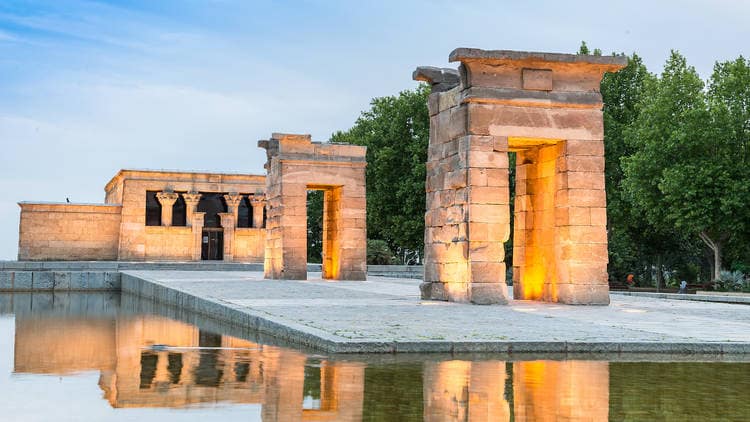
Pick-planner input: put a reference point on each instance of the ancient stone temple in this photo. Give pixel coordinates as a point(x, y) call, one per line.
point(152, 215)
point(191, 216)
point(296, 165)
point(547, 109)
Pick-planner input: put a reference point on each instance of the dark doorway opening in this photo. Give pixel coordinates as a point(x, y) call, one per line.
point(212, 244)
point(212, 204)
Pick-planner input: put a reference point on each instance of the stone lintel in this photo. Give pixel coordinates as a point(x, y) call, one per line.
point(530, 98)
point(301, 147)
point(608, 63)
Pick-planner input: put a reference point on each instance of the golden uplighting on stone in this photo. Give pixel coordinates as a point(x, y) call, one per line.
point(546, 108)
point(295, 165)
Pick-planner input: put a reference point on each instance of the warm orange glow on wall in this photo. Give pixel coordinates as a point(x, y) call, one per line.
point(535, 275)
point(565, 390)
point(331, 230)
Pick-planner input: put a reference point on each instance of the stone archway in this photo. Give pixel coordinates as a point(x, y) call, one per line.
point(296, 165)
point(547, 108)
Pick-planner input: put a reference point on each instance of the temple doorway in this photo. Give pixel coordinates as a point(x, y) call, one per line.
point(212, 244)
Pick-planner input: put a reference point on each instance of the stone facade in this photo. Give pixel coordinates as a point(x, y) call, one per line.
point(547, 109)
point(296, 165)
point(118, 229)
point(81, 232)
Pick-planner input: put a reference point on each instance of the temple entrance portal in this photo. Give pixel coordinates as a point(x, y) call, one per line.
point(546, 108)
point(212, 244)
point(296, 165)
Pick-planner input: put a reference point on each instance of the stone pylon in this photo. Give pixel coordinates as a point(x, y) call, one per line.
point(547, 109)
point(295, 165)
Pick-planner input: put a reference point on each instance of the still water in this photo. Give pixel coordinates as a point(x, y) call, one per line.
point(101, 356)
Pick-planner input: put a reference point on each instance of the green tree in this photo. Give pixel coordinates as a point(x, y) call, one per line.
point(685, 172)
point(396, 132)
point(315, 226)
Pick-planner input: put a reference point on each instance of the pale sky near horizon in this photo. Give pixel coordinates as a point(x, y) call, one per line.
point(88, 88)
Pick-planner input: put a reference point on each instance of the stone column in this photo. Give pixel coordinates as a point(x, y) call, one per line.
point(167, 200)
point(228, 223)
point(258, 202)
point(233, 204)
point(197, 226)
point(191, 202)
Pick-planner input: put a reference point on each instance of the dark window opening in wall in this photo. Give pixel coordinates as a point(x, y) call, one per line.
point(153, 209)
point(148, 369)
point(264, 217)
point(245, 213)
point(179, 212)
point(210, 367)
point(174, 367)
point(212, 204)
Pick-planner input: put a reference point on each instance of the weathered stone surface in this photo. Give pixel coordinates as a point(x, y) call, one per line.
point(6, 280)
point(22, 280)
point(43, 280)
point(296, 165)
point(116, 230)
point(489, 293)
point(441, 79)
point(547, 109)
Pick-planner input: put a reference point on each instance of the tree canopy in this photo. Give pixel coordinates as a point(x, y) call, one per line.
point(396, 131)
point(677, 168)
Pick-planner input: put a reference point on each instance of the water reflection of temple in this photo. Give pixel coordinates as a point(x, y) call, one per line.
point(203, 368)
point(198, 367)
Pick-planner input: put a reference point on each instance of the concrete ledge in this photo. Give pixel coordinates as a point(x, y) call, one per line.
point(397, 271)
point(713, 297)
point(263, 323)
point(48, 280)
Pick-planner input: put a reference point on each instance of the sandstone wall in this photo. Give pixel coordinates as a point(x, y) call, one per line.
point(296, 165)
point(164, 243)
point(249, 244)
point(75, 232)
point(139, 242)
point(545, 107)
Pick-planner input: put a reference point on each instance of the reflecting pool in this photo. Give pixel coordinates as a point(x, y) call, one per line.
point(102, 356)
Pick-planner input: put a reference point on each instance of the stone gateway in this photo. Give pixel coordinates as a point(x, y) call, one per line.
point(547, 109)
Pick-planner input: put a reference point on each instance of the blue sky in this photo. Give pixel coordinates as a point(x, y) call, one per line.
point(87, 88)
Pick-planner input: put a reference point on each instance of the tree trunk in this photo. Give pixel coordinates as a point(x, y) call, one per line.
point(715, 247)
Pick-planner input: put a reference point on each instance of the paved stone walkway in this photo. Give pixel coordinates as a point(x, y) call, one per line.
point(386, 315)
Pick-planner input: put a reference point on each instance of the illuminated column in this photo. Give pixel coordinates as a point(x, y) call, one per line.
point(197, 226)
point(167, 200)
point(233, 203)
point(546, 107)
point(228, 224)
point(581, 217)
point(445, 390)
point(191, 201)
point(258, 202)
point(561, 390)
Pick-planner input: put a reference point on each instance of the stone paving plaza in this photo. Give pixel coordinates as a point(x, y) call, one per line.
point(386, 315)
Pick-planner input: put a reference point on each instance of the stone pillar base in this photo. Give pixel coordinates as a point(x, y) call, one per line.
point(583, 294)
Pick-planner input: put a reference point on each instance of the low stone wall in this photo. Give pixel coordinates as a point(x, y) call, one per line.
point(397, 271)
point(59, 280)
point(168, 243)
point(249, 244)
point(105, 275)
point(61, 231)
